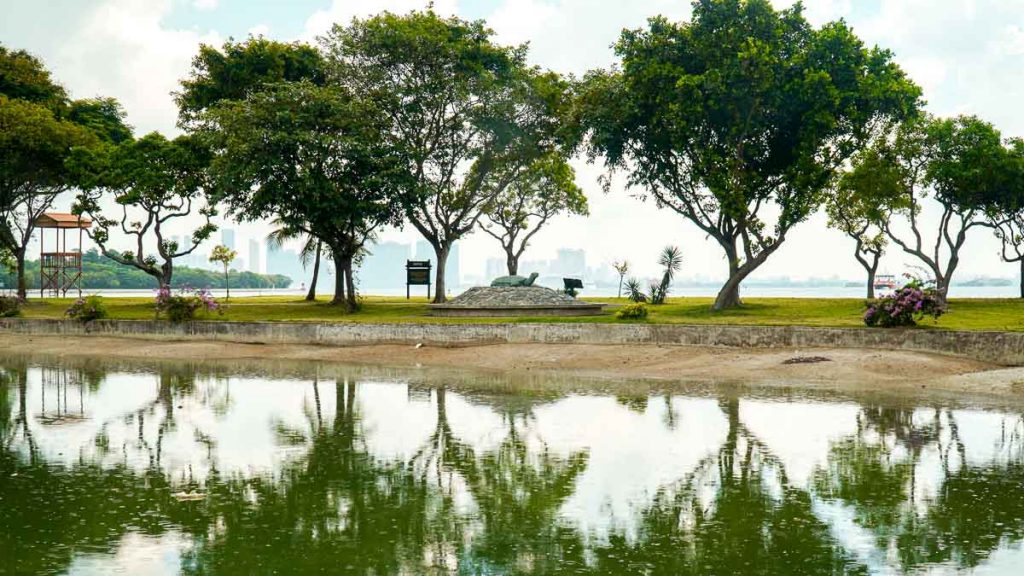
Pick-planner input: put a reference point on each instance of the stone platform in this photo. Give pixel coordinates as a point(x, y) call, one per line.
point(484, 301)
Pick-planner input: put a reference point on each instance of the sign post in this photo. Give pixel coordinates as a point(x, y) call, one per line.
point(417, 273)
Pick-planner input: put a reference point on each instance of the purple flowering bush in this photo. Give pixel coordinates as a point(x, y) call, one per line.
point(183, 306)
point(905, 306)
point(87, 309)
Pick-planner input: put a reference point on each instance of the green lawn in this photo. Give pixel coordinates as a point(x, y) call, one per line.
point(974, 314)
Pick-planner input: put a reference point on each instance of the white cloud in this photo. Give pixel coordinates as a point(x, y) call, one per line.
point(259, 30)
point(122, 49)
point(342, 11)
point(575, 35)
point(205, 4)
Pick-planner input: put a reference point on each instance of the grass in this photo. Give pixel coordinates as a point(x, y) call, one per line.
point(964, 314)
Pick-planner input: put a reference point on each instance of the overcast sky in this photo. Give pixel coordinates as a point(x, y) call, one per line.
point(966, 54)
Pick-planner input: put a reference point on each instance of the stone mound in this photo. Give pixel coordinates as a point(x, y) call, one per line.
point(515, 301)
point(504, 297)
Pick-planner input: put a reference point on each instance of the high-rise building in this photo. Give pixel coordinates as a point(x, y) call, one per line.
point(254, 256)
point(496, 267)
point(569, 262)
point(285, 262)
point(227, 237)
point(384, 266)
point(452, 270)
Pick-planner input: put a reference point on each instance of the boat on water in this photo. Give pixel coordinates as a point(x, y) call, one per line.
point(885, 282)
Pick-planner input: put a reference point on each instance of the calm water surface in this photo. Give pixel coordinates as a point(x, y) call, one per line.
point(166, 469)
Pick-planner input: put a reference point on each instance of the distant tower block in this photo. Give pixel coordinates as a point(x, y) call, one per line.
point(60, 271)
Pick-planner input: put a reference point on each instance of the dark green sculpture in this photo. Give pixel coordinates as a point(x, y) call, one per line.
point(515, 281)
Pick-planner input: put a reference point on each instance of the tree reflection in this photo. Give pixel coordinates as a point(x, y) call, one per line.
point(879, 472)
point(335, 506)
point(735, 514)
point(517, 493)
point(338, 510)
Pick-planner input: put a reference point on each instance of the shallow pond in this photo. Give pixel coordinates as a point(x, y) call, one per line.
point(164, 468)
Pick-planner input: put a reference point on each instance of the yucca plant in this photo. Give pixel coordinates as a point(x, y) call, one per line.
point(672, 259)
point(634, 291)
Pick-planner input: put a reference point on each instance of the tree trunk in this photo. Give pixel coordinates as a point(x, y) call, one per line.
point(1022, 277)
point(19, 257)
point(311, 295)
point(871, 284)
point(942, 291)
point(729, 296)
point(339, 277)
point(441, 251)
point(350, 285)
point(227, 283)
point(511, 262)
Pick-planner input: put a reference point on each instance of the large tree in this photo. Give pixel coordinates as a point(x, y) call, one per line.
point(316, 159)
point(960, 164)
point(515, 216)
point(1008, 216)
point(856, 208)
point(739, 119)
point(469, 113)
point(157, 183)
point(38, 129)
point(237, 69)
point(34, 145)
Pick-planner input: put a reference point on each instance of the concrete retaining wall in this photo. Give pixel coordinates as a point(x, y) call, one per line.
point(1005, 348)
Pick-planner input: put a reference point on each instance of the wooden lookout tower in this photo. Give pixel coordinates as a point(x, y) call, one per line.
point(60, 270)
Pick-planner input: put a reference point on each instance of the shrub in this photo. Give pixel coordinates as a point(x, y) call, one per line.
point(182, 307)
point(10, 306)
point(635, 311)
point(634, 292)
point(904, 307)
point(87, 309)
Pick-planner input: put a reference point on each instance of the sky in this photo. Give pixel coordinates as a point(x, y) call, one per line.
point(968, 56)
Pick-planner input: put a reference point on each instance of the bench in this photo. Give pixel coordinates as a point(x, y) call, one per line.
point(572, 285)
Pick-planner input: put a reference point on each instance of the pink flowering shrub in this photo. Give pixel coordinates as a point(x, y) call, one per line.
point(182, 307)
point(87, 309)
point(904, 307)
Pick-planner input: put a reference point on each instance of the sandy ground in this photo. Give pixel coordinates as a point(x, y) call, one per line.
point(845, 369)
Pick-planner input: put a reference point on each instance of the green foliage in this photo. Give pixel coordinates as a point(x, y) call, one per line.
point(23, 77)
point(183, 305)
point(906, 306)
point(634, 311)
point(635, 291)
point(480, 115)
point(672, 259)
point(101, 273)
point(104, 117)
point(543, 190)
point(10, 306)
point(960, 163)
point(315, 158)
point(88, 309)
point(742, 112)
point(239, 69)
point(157, 182)
point(223, 255)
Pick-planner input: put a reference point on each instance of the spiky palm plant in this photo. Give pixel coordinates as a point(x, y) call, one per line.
point(672, 259)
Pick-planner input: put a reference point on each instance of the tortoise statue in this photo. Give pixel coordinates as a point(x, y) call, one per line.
point(515, 281)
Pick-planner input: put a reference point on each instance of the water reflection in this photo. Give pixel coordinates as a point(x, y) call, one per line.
point(187, 469)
